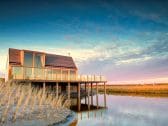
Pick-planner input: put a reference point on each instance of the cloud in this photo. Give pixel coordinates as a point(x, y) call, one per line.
point(129, 62)
point(133, 60)
point(117, 59)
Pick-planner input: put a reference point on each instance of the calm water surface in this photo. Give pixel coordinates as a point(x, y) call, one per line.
point(127, 111)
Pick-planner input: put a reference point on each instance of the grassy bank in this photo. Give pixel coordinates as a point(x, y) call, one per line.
point(160, 90)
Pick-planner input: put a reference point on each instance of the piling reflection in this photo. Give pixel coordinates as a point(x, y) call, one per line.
point(92, 114)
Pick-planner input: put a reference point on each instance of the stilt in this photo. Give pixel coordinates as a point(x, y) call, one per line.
point(57, 89)
point(97, 102)
point(105, 95)
point(44, 87)
point(30, 85)
point(69, 91)
point(85, 94)
point(88, 96)
point(91, 93)
point(78, 101)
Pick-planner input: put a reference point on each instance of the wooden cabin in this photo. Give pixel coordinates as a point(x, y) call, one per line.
point(34, 66)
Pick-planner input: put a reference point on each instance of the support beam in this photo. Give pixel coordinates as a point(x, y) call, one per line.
point(69, 93)
point(97, 100)
point(57, 89)
point(44, 87)
point(91, 93)
point(105, 95)
point(30, 85)
point(88, 96)
point(78, 100)
point(85, 94)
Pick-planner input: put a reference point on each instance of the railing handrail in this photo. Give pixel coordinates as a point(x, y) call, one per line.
point(35, 73)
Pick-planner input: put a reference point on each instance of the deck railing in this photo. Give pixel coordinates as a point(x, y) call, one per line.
point(50, 74)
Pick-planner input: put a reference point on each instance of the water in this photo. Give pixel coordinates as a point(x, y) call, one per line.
point(127, 111)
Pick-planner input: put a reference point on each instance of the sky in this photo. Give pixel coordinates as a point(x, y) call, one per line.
point(124, 40)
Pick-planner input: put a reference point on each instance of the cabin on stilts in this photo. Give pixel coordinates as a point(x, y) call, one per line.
point(60, 72)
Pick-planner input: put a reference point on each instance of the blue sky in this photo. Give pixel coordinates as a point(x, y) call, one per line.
point(124, 40)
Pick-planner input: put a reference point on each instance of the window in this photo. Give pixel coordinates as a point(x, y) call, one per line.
point(28, 59)
point(38, 59)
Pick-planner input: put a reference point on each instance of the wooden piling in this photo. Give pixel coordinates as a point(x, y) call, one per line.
point(105, 95)
point(88, 96)
point(78, 100)
point(57, 89)
point(69, 95)
point(44, 87)
point(97, 100)
point(91, 93)
point(85, 94)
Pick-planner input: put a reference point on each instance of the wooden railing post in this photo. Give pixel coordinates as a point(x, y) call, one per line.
point(61, 74)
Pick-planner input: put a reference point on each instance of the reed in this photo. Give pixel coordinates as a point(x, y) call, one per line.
point(19, 101)
point(160, 90)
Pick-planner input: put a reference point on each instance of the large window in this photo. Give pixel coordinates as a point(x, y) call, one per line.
point(38, 59)
point(28, 59)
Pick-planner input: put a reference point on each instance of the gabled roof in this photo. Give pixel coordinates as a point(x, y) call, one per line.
point(59, 61)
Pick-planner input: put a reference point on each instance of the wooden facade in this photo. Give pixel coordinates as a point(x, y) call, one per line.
point(43, 67)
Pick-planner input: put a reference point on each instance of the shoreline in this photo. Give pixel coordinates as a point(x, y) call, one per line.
point(59, 116)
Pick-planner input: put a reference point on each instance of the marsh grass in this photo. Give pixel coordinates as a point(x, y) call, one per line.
point(160, 90)
point(18, 100)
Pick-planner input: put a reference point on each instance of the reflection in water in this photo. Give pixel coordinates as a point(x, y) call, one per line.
point(90, 114)
point(127, 111)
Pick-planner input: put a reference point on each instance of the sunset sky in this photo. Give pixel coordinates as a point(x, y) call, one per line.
point(125, 40)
